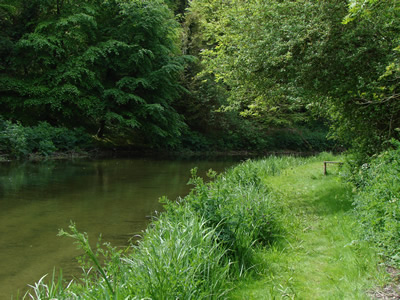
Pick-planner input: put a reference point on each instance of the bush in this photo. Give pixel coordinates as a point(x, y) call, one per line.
point(378, 202)
point(301, 139)
point(245, 135)
point(19, 141)
point(13, 140)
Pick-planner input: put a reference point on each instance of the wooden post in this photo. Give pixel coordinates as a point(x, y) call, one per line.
point(330, 162)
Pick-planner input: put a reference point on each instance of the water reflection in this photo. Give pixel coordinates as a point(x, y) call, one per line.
point(113, 197)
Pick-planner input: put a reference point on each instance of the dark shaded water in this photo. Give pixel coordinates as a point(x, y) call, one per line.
point(114, 197)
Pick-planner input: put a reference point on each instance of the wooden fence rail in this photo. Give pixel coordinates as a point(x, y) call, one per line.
point(330, 162)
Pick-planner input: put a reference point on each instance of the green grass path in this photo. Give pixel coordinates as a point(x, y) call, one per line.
point(319, 257)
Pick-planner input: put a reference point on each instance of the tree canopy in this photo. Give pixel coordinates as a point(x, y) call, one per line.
point(119, 68)
point(106, 65)
point(337, 58)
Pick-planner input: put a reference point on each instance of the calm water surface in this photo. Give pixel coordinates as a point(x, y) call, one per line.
point(114, 197)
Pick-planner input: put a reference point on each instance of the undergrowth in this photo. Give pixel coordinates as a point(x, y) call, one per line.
point(18, 141)
point(377, 204)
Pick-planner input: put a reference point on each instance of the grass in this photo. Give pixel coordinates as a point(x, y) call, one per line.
point(320, 257)
point(178, 257)
point(269, 229)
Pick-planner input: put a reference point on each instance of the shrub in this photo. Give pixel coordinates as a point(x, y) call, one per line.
point(13, 140)
point(19, 141)
point(301, 139)
point(378, 202)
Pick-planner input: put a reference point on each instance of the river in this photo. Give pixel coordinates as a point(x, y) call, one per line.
point(111, 197)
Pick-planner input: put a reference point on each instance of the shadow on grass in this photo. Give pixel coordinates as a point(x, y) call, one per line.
point(333, 199)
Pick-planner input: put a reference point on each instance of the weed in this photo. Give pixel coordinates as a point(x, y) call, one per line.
point(83, 243)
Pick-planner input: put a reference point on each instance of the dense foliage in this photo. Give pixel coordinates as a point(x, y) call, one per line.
point(371, 115)
point(377, 203)
point(124, 71)
point(104, 65)
point(18, 141)
point(281, 59)
point(120, 69)
point(209, 110)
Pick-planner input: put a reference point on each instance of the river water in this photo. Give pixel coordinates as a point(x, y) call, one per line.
point(112, 197)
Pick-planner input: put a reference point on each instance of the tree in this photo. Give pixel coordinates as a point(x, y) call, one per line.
point(379, 99)
point(239, 35)
point(107, 65)
point(283, 56)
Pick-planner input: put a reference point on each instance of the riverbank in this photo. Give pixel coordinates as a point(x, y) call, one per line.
point(44, 142)
point(114, 197)
point(267, 229)
point(100, 153)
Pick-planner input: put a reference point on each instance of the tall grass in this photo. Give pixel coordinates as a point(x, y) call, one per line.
point(193, 250)
point(178, 258)
point(238, 206)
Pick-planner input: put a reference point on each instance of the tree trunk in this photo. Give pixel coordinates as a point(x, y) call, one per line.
point(100, 132)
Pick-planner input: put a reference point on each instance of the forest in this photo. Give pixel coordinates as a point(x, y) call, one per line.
point(199, 75)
